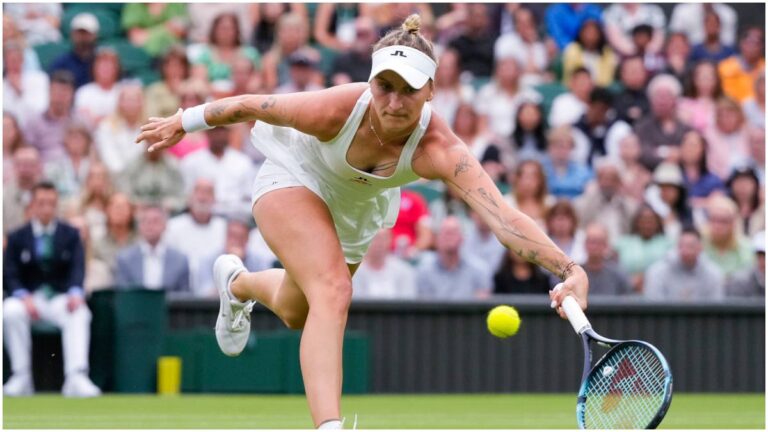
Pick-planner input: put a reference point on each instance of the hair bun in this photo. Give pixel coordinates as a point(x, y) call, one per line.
point(412, 24)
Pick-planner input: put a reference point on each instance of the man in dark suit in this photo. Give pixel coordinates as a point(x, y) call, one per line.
point(44, 270)
point(150, 263)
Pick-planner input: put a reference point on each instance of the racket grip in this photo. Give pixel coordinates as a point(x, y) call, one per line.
point(574, 313)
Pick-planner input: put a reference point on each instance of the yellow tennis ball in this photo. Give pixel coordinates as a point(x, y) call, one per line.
point(503, 321)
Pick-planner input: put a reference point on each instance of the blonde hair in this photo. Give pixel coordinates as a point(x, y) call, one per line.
point(409, 35)
point(721, 203)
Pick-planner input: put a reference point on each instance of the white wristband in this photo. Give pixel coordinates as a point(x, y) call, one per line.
point(193, 119)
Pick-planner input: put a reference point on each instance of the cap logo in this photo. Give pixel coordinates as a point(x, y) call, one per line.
point(399, 53)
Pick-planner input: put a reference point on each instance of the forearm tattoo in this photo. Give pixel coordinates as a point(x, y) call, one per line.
point(462, 166)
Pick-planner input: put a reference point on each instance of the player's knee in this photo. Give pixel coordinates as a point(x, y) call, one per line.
point(336, 296)
point(295, 320)
point(14, 310)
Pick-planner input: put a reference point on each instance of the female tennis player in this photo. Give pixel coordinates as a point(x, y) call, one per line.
point(335, 161)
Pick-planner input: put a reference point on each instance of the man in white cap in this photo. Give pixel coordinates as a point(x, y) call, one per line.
point(84, 31)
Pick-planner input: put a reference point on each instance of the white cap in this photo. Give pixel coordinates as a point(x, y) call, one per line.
point(414, 66)
point(758, 242)
point(85, 21)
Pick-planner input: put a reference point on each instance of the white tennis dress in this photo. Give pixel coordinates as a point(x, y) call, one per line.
point(360, 203)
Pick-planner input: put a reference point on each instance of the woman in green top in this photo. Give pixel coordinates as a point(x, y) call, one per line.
point(645, 244)
point(213, 61)
point(155, 26)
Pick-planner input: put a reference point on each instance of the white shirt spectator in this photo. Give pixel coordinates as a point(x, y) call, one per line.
point(32, 100)
point(396, 280)
point(93, 103)
point(153, 265)
point(232, 175)
point(669, 279)
point(754, 113)
point(258, 247)
point(652, 15)
point(487, 250)
point(34, 20)
point(195, 241)
point(116, 143)
point(499, 107)
point(567, 109)
point(688, 18)
point(512, 45)
point(469, 280)
point(445, 103)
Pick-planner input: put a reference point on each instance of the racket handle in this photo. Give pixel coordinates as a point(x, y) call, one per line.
point(574, 313)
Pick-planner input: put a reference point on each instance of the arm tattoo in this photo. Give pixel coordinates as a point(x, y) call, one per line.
point(565, 269)
point(487, 197)
point(462, 166)
point(269, 103)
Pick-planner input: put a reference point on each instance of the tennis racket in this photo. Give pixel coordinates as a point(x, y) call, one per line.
point(630, 387)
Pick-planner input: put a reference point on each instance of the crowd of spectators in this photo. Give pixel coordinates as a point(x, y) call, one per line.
point(635, 138)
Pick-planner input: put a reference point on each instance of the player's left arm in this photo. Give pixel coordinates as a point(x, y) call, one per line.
point(453, 163)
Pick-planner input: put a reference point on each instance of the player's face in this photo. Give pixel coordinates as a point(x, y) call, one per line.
point(397, 104)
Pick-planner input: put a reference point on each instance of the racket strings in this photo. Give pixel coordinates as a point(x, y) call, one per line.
point(626, 391)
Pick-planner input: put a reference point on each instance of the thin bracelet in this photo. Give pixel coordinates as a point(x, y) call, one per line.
point(193, 119)
point(567, 269)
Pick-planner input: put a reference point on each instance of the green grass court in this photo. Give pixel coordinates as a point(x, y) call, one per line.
point(512, 411)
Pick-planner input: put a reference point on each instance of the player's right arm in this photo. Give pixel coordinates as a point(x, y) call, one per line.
point(318, 113)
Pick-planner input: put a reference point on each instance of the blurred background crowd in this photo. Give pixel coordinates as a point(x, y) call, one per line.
point(634, 135)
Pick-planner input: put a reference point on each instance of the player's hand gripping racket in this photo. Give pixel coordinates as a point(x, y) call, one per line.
point(630, 387)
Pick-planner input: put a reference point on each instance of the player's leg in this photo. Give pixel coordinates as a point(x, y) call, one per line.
point(299, 229)
point(18, 340)
point(275, 289)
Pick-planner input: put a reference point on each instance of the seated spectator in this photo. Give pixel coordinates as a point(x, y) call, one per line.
point(745, 190)
point(354, 64)
point(45, 131)
point(598, 129)
point(213, 62)
point(83, 33)
point(644, 245)
point(563, 228)
point(94, 199)
point(17, 194)
point(264, 18)
point(235, 243)
point(13, 140)
point(754, 107)
point(677, 54)
point(525, 45)
point(564, 20)
point(634, 175)
point(39, 22)
point(621, 18)
point(202, 16)
point(750, 282)
point(604, 200)
point(150, 263)
point(480, 242)
point(568, 107)
point(756, 139)
point(98, 99)
point(655, 62)
point(496, 101)
point(449, 204)
point(154, 178)
point(230, 170)
point(699, 182)
point(689, 17)
point(605, 276)
point(632, 103)
point(382, 275)
point(448, 274)
point(334, 26)
point(529, 192)
point(116, 135)
point(515, 275)
point(466, 125)
point(155, 27)
point(723, 240)
point(450, 92)
point(69, 173)
point(661, 132)
point(739, 72)
point(162, 98)
point(98, 276)
point(475, 43)
point(246, 79)
point(197, 232)
point(120, 230)
point(697, 107)
point(303, 72)
point(711, 48)
point(591, 51)
point(566, 178)
point(25, 93)
point(728, 144)
point(389, 16)
point(46, 284)
point(291, 34)
point(412, 232)
point(528, 140)
point(684, 275)
point(668, 197)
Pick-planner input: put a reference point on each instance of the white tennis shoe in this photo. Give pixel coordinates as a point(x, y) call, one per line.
point(233, 325)
point(19, 385)
point(78, 385)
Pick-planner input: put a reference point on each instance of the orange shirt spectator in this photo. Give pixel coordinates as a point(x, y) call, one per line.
point(738, 73)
